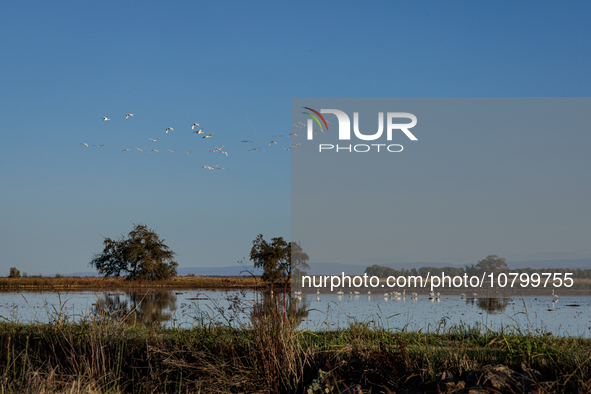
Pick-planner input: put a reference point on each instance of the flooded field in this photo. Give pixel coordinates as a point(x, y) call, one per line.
point(568, 316)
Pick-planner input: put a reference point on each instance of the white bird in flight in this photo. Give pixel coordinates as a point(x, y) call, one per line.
point(246, 141)
point(169, 128)
point(272, 142)
point(222, 168)
point(154, 150)
point(186, 153)
point(128, 115)
point(97, 145)
point(294, 134)
point(207, 136)
point(277, 136)
point(193, 126)
point(105, 118)
point(260, 147)
point(85, 144)
point(152, 139)
point(199, 132)
point(171, 151)
point(125, 150)
point(141, 150)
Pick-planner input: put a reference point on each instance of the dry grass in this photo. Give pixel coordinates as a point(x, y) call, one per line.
point(49, 283)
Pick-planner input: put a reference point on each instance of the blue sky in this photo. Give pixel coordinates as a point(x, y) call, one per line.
point(233, 67)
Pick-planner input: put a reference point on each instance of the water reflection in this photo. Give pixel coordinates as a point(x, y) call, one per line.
point(491, 305)
point(137, 307)
point(279, 307)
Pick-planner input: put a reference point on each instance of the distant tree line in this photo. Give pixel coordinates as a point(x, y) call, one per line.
point(492, 263)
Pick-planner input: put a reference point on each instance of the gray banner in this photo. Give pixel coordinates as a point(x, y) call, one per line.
point(462, 195)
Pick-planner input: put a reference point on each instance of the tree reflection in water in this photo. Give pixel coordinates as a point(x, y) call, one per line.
point(279, 308)
point(136, 307)
point(491, 305)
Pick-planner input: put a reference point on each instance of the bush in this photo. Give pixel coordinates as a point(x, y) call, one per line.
point(14, 273)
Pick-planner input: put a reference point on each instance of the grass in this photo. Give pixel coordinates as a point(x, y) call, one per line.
point(50, 283)
point(270, 355)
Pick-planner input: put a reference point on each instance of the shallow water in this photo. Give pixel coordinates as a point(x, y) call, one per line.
point(186, 308)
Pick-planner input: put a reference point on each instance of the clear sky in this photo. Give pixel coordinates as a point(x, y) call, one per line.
point(233, 67)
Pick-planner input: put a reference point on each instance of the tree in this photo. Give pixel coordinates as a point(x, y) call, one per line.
point(491, 263)
point(14, 273)
point(142, 255)
point(271, 257)
point(278, 259)
point(298, 260)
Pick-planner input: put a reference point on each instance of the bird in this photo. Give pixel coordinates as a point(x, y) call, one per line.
point(97, 145)
point(141, 150)
point(246, 141)
point(125, 150)
point(207, 136)
point(272, 142)
point(154, 150)
point(128, 115)
point(554, 296)
point(169, 128)
point(105, 118)
point(217, 149)
point(287, 148)
point(294, 134)
point(199, 132)
point(85, 144)
point(222, 168)
point(260, 147)
point(193, 126)
point(171, 151)
point(299, 127)
point(186, 153)
point(152, 139)
point(277, 136)
point(225, 153)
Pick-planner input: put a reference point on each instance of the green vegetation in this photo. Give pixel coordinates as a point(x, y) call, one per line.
point(140, 256)
point(277, 259)
point(14, 273)
point(271, 355)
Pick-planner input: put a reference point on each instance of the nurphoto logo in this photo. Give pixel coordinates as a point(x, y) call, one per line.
point(345, 130)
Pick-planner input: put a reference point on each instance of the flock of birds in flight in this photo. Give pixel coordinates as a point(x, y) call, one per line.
point(197, 132)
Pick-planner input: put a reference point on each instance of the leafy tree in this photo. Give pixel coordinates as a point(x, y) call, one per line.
point(298, 260)
point(142, 255)
point(278, 259)
point(272, 257)
point(14, 273)
point(491, 263)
